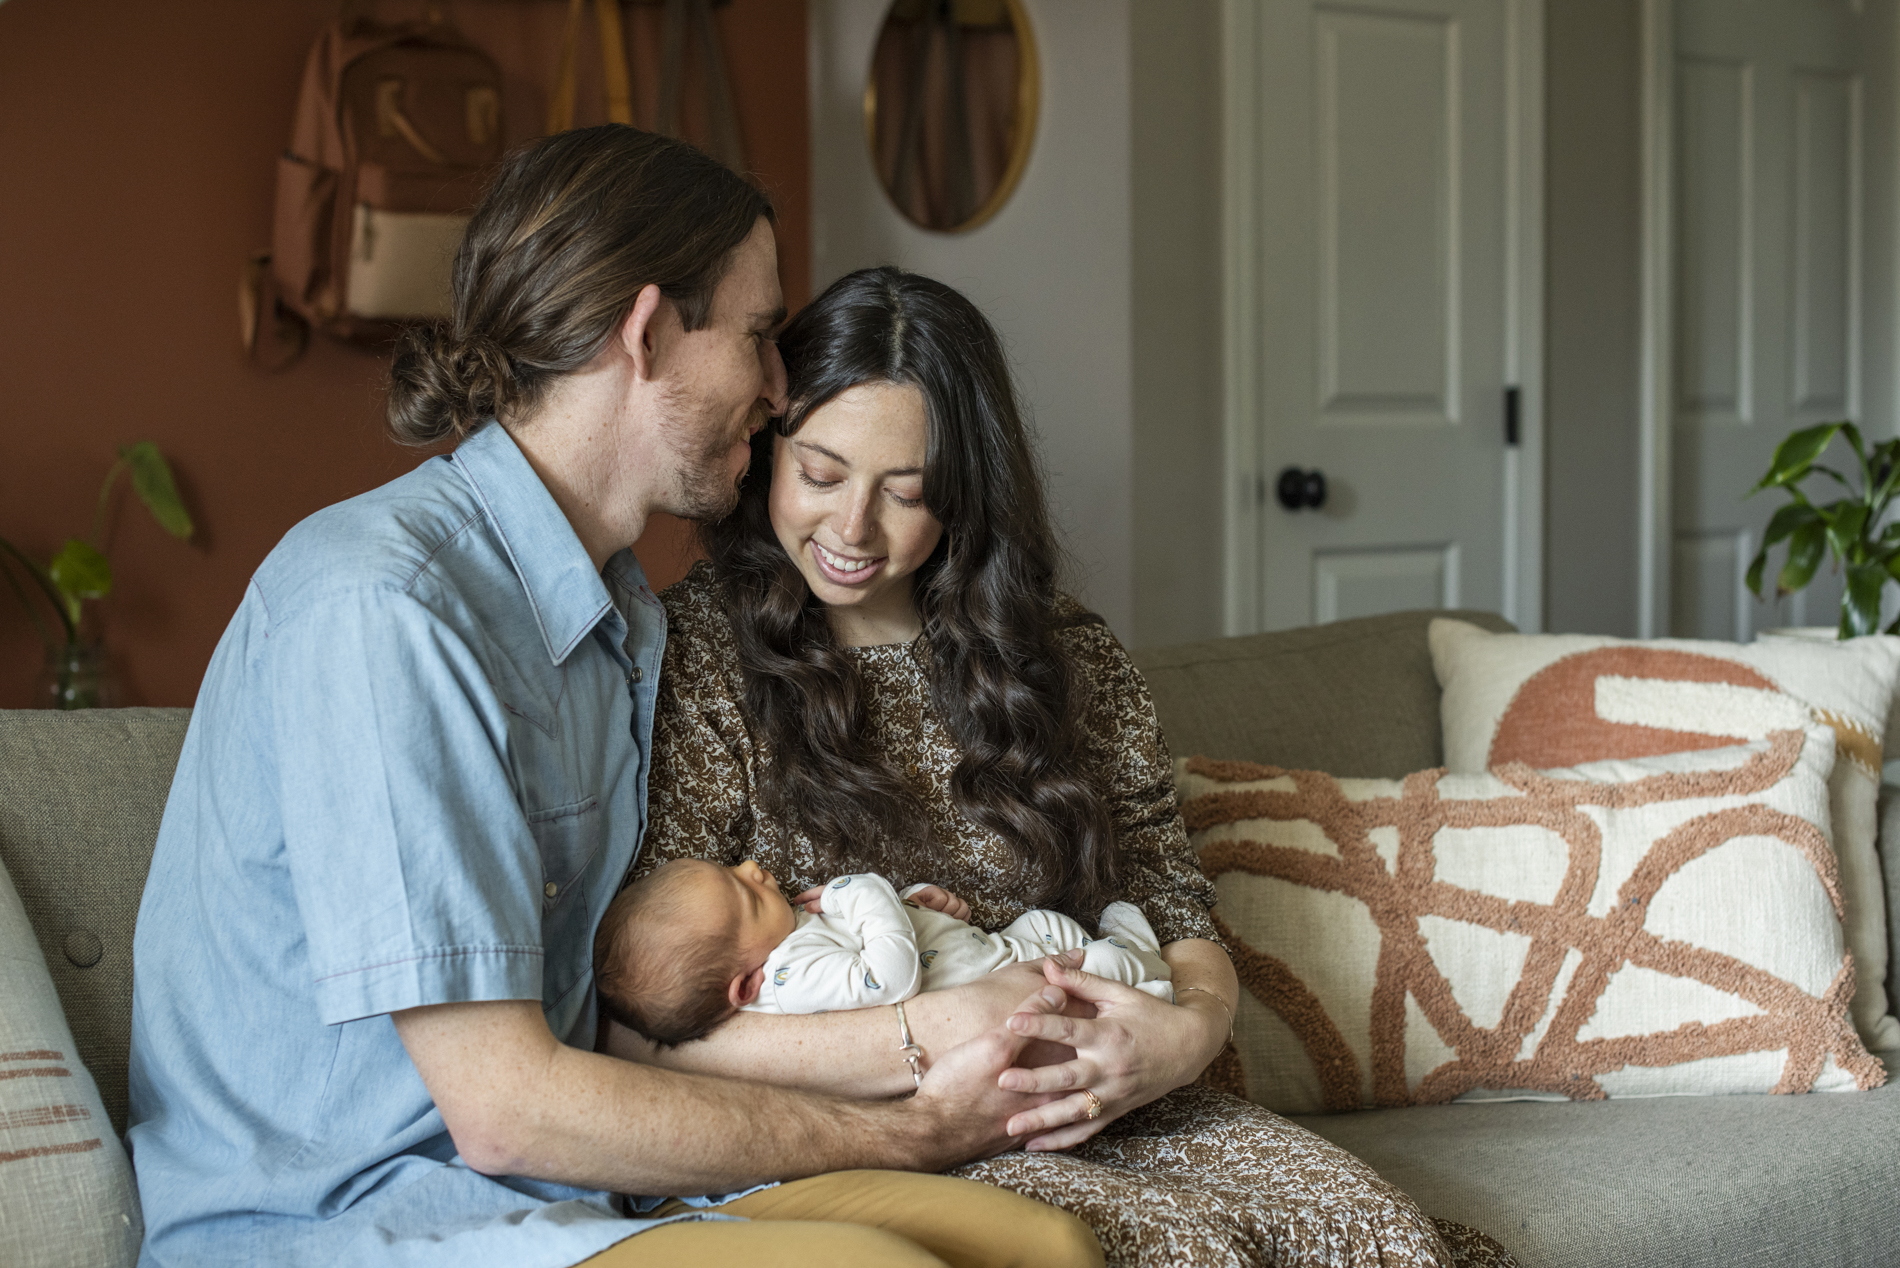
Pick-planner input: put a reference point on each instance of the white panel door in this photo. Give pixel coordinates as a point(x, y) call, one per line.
point(1380, 239)
point(1773, 171)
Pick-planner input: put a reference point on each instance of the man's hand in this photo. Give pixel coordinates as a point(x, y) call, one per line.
point(940, 1020)
point(963, 1107)
point(937, 898)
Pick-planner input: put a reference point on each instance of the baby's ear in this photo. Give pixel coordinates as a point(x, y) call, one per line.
point(744, 989)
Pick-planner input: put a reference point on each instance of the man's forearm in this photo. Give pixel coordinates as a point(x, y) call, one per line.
point(851, 1054)
point(664, 1132)
point(517, 1101)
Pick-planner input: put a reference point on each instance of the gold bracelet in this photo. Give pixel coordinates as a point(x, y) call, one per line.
point(912, 1054)
point(1218, 1000)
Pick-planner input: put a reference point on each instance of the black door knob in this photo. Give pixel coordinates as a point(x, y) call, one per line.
point(1297, 488)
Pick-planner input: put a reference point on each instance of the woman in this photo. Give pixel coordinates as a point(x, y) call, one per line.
point(876, 672)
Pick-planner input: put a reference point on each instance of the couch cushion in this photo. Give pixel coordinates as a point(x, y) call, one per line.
point(81, 795)
point(1673, 1182)
point(66, 1193)
point(1667, 925)
point(1562, 699)
point(1354, 697)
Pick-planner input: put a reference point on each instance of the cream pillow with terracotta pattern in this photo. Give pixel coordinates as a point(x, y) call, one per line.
point(1561, 699)
point(1663, 926)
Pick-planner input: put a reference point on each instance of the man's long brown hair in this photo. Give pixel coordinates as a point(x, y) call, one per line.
point(568, 232)
point(999, 678)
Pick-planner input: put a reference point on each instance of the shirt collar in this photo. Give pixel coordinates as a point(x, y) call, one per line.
point(564, 589)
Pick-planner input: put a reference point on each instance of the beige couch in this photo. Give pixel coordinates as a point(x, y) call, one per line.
point(1722, 1182)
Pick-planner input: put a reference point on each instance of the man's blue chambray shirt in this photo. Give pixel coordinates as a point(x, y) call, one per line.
point(416, 774)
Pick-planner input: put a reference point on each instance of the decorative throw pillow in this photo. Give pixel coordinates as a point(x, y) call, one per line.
point(1665, 926)
point(66, 1192)
point(1561, 699)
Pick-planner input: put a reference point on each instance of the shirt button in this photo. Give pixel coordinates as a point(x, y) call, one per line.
point(636, 675)
point(550, 889)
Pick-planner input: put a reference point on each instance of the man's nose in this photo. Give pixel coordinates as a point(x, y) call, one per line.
point(775, 385)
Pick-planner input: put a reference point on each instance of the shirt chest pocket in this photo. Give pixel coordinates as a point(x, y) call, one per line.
point(568, 839)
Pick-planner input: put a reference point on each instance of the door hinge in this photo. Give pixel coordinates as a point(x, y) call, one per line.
point(1510, 416)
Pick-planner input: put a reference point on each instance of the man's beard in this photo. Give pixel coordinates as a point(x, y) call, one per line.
point(702, 489)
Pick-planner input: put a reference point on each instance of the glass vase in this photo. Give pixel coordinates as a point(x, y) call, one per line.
point(77, 676)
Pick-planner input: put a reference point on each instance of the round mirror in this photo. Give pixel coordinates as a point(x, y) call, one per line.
point(950, 108)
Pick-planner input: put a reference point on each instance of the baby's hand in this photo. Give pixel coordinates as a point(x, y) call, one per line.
point(937, 898)
point(809, 900)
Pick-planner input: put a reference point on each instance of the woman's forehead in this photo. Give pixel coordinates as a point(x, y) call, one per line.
point(877, 426)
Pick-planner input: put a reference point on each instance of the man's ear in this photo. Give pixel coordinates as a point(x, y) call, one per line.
point(640, 332)
point(744, 989)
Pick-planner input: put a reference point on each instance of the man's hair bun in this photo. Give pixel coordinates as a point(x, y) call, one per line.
point(442, 387)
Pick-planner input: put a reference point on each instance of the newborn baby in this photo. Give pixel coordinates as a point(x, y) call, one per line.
point(691, 943)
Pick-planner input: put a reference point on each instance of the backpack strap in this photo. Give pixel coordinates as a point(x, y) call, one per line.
point(256, 293)
point(613, 66)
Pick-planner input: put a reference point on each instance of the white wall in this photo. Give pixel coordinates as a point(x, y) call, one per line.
point(1052, 269)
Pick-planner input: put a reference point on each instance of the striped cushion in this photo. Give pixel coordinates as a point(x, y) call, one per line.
point(66, 1192)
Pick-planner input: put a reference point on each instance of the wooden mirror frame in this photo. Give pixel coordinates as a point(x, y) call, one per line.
point(1022, 138)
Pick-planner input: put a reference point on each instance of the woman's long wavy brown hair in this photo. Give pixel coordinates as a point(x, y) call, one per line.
point(1000, 680)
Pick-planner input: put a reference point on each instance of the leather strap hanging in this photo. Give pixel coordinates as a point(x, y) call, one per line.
point(613, 66)
point(290, 335)
point(726, 145)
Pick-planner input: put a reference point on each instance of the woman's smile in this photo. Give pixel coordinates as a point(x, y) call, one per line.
point(846, 570)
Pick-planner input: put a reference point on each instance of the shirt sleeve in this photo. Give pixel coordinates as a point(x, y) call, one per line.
point(416, 875)
point(880, 968)
point(1160, 873)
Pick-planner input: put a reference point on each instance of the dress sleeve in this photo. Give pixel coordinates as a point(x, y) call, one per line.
point(1160, 874)
point(699, 791)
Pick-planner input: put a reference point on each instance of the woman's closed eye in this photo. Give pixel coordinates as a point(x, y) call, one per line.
point(811, 481)
point(807, 478)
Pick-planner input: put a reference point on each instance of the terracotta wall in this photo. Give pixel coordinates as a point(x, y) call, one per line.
point(136, 150)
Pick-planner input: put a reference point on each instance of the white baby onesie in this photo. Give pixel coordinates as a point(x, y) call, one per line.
point(870, 946)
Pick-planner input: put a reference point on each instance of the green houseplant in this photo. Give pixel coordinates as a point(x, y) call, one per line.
point(80, 571)
point(1848, 528)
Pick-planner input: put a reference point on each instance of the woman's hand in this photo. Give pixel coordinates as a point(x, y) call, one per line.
point(937, 898)
point(1133, 1051)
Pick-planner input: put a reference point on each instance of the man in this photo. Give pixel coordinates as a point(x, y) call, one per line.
point(363, 1017)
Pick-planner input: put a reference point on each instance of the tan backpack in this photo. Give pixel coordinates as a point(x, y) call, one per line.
point(395, 128)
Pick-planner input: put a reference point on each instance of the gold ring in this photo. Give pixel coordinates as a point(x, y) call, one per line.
point(1095, 1104)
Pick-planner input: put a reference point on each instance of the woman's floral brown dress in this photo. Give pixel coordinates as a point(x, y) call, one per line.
point(1198, 1177)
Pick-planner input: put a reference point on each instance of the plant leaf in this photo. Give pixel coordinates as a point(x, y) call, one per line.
point(152, 481)
point(80, 572)
point(1804, 556)
point(1844, 522)
point(1860, 605)
point(1755, 567)
point(45, 583)
point(1796, 454)
point(1786, 520)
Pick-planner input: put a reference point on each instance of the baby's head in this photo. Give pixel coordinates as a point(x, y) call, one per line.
point(683, 947)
